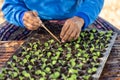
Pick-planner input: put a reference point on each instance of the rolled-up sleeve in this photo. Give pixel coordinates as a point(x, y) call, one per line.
point(89, 11)
point(13, 11)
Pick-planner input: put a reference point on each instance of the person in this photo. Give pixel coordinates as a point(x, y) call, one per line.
point(24, 16)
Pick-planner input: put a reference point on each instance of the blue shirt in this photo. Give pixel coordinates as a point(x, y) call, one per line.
point(52, 9)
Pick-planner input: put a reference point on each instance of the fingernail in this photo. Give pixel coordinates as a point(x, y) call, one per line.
point(63, 41)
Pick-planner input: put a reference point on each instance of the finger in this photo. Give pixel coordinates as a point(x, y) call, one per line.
point(67, 35)
point(78, 34)
point(30, 26)
point(72, 36)
point(33, 20)
point(64, 29)
point(30, 19)
point(28, 14)
point(32, 16)
point(70, 31)
point(35, 14)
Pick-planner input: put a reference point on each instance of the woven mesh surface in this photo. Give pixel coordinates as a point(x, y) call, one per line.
point(112, 68)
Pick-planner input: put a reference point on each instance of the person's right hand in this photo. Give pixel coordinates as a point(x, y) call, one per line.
point(31, 20)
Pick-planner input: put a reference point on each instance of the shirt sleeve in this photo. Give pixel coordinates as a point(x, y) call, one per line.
point(13, 11)
point(89, 11)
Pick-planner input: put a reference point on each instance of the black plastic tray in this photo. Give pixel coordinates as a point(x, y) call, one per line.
point(96, 76)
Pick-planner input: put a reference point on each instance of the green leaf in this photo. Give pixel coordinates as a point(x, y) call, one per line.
point(60, 49)
point(32, 79)
point(15, 58)
point(24, 53)
point(35, 46)
point(86, 55)
point(101, 33)
point(66, 45)
point(69, 49)
point(4, 70)
point(58, 53)
point(86, 77)
point(80, 65)
point(82, 34)
point(38, 72)
point(20, 63)
point(49, 54)
point(68, 55)
point(91, 37)
point(15, 74)
point(8, 63)
point(27, 57)
point(71, 70)
point(2, 76)
point(26, 74)
point(51, 41)
point(73, 77)
point(64, 77)
point(13, 64)
point(47, 69)
point(54, 58)
point(32, 61)
point(91, 49)
point(95, 58)
point(21, 78)
point(30, 44)
point(30, 67)
point(44, 60)
point(43, 74)
point(77, 46)
point(94, 30)
point(89, 71)
point(98, 54)
point(94, 69)
point(16, 69)
point(9, 72)
point(78, 54)
point(46, 44)
point(43, 66)
point(42, 78)
point(24, 61)
point(37, 53)
point(54, 62)
point(72, 62)
point(55, 75)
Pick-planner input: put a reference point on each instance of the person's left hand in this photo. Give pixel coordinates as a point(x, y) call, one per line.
point(71, 29)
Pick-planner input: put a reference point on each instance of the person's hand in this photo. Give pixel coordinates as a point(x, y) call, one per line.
point(71, 29)
point(31, 20)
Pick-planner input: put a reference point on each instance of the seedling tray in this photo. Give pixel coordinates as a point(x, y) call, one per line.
point(74, 60)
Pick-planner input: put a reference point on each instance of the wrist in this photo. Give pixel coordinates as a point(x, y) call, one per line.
point(79, 21)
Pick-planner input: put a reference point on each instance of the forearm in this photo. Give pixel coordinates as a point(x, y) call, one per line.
point(12, 10)
point(89, 11)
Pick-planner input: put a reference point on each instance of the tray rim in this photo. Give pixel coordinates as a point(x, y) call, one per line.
point(106, 55)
